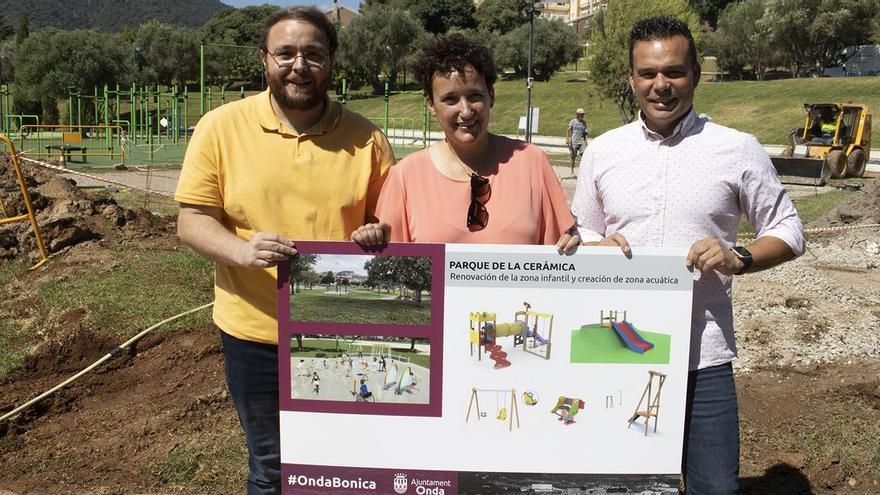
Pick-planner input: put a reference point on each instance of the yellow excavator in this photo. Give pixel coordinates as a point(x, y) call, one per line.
point(835, 142)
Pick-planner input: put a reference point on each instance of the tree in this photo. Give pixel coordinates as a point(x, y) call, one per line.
point(555, 44)
point(7, 60)
point(48, 61)
point(378, 41)
point(163, 54)
point(439, 16)
point(23, 30)
point(744, 38)
point(5, 29)
point(412, 272)
point(811, 34)
point(502, 16)
point(328, 278)
point(300, 265)
point(608, 51)
point(710, 10)
point(243, 27)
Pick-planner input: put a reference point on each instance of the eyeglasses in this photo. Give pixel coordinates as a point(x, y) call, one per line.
point(478, 216)
point(286, 60)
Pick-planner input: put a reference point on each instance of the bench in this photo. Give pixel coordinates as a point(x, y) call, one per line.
point(70, 142)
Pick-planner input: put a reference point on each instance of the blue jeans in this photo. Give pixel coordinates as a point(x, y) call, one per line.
point(252, 377)
point(710, 461)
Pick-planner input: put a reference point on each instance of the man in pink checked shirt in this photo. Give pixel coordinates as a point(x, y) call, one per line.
point(672, 179)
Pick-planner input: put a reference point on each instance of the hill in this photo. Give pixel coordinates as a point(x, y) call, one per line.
point(109, 15)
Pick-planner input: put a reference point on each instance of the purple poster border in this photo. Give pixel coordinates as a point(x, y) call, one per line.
point(433, 331)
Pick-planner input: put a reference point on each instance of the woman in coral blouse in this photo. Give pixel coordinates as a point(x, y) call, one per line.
point(473, 187)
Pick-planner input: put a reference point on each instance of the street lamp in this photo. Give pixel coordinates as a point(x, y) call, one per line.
point(534, 8)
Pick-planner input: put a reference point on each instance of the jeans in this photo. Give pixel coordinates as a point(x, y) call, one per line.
point(710, 461)
point(252, 378)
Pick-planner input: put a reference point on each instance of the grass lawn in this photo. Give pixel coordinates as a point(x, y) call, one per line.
point(767, 109)
point(358, 306)
point(598, 344)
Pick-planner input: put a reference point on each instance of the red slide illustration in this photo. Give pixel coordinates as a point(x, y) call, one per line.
point(631, 337)
point(497, 355)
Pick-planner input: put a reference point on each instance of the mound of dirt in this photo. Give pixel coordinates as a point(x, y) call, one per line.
point(66, 215)
point(863, 207)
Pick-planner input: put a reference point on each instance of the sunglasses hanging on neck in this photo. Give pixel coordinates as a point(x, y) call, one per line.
point(478, 216)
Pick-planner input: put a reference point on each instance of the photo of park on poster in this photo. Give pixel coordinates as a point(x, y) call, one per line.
point(360, 368)
point(350, 288)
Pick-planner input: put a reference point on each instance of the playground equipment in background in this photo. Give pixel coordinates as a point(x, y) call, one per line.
point(29, 216)
point(485, 332)
point(567, 408)
point(502, 412)
point(66, 141)
point(399, 381)
point(626, 331)
point(530, 398)
point(652, 403)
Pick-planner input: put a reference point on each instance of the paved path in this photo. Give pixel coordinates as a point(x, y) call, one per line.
point(165, 180)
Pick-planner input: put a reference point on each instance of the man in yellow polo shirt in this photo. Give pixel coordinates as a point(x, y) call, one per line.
point(285, 164)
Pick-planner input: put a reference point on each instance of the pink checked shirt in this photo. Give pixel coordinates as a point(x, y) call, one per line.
point(675, 191)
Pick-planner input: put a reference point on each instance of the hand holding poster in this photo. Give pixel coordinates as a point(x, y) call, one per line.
point(432, 369)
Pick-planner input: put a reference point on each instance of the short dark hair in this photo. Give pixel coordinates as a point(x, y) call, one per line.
point(445, 54)
point(661, 27)
point(306, 14)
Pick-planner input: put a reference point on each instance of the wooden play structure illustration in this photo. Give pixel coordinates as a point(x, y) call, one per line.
point(652, 403)
point(567, 408)
point(530, 329)
point(502, 411)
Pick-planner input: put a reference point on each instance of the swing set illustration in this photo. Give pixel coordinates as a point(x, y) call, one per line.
point(502, 411)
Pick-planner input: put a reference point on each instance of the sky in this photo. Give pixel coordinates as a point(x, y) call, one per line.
point(321, 4)
point(341, 262)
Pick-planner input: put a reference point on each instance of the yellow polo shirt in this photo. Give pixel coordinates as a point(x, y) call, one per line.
point(320, 185)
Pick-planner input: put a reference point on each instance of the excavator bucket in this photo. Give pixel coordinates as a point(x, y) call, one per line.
point(798, 170)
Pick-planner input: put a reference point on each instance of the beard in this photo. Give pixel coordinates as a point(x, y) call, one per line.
point(291, 97)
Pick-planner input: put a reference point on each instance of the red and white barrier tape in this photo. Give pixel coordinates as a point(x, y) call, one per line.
point(90, 176)
point(819, 230)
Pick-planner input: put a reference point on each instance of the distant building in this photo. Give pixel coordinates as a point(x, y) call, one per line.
point(340, 14)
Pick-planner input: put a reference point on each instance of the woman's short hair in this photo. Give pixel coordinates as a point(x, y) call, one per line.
point(446, 54)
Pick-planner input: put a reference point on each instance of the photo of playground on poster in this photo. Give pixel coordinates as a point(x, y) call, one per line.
point(524, 350)
point(354, 368)
point(345, 288)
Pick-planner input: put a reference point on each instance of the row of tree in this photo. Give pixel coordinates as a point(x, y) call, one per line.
point(803, 35)
point(375, 48)
point(751, 35)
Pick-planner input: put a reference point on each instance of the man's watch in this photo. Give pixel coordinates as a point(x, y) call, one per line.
point(744, 256)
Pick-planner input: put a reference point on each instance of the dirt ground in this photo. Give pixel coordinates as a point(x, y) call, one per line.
point(157, 418)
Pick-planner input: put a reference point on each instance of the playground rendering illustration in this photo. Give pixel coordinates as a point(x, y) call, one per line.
point(531, 330)
point(615, 340)
point(369, 372)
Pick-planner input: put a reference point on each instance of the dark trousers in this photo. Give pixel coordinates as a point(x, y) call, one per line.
point(710, 461)
point(252, 377)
